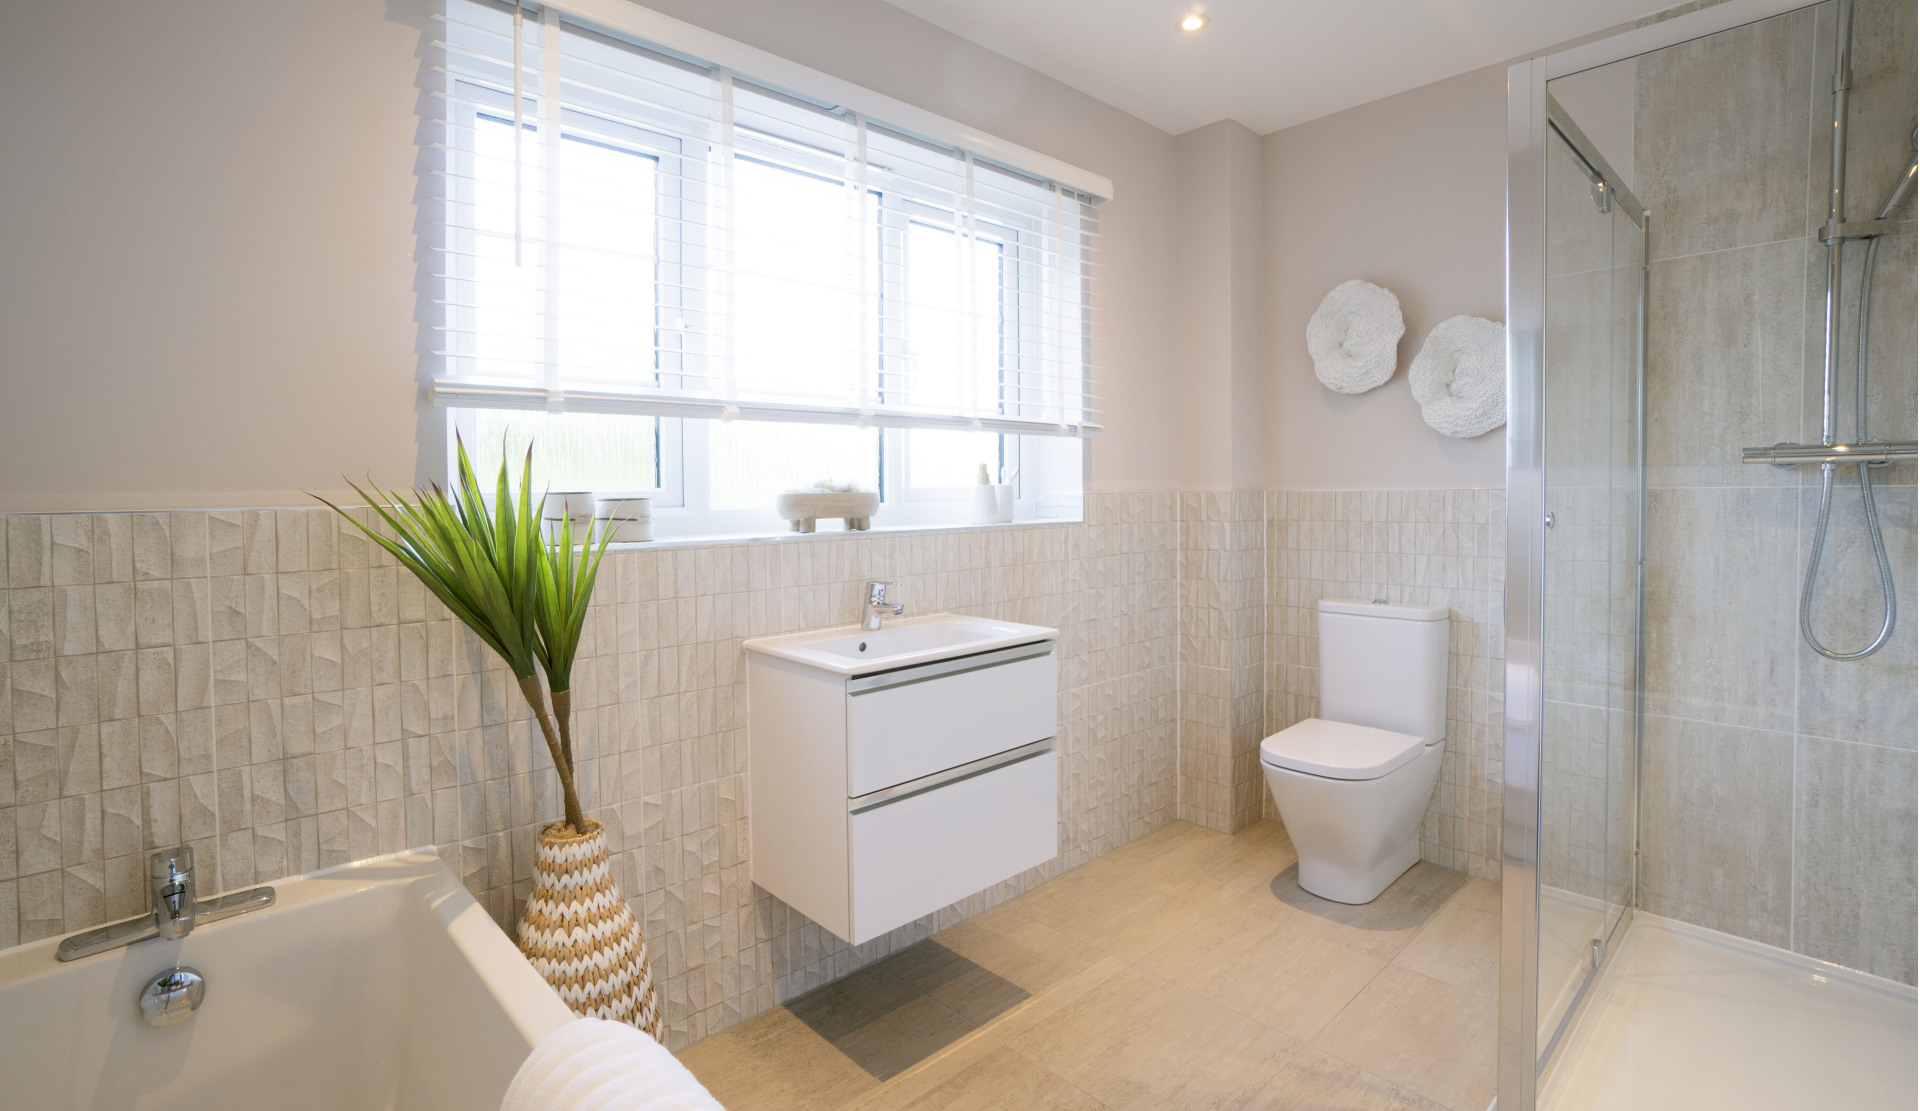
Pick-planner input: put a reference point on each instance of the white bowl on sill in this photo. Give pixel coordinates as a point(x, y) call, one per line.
point(631, 519)
point(574, 506)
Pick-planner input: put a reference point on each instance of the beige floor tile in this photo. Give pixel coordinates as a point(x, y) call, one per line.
point(983, 969)
point(1383, 927)
point(1216, 867)
point(923, 1077)
point(1316, 1081)
point(1424, 1035)
point(1481, 895)
point(839, 1008)
point(1460, 945)
point(1293, 981)
point(1036, 1004)
point(1005, 1079)
point(904, 1037)
point(797, 1064)
point(1138, 1041)
point(1112, 913)
point(1141, 851)
point(1204, 864)
point(1040, 1008)
point(712, 1062)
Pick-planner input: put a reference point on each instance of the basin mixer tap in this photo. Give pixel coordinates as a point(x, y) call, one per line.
point(878, 606)
point(176, 909)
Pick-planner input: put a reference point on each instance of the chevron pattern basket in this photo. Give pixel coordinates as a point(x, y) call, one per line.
point(580, 934)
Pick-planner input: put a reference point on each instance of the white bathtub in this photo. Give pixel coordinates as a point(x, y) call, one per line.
point(378, 986)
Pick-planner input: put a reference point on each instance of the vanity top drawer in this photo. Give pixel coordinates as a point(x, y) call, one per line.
point(926, 720)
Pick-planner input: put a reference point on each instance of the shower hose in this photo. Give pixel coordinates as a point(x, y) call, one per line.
point(1866, 497)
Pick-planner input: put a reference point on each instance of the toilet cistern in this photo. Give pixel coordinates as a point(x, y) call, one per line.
point(878, 606)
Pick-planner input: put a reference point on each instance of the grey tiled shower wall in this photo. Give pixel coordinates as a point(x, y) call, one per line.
point(1778, 787)
point(270, 688)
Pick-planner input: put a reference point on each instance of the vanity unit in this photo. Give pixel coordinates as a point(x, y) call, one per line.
point(895, 771)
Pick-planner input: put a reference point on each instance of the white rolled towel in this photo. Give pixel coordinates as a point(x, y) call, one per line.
point(591, 1064)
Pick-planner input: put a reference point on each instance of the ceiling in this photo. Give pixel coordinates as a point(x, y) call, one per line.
point(1266, 63)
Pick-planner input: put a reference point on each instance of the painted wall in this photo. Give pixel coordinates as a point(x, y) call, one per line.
point(1409, 193)
point(1221, 370)
point(209, 249)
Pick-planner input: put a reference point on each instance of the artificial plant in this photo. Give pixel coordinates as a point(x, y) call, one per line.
point(525, 599)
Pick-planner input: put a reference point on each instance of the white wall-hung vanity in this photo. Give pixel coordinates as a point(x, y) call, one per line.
point(893, 772)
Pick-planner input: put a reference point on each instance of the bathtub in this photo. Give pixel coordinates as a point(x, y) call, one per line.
point(379, 985)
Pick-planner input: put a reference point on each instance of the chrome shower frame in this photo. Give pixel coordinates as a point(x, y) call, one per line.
point(1521, 1052)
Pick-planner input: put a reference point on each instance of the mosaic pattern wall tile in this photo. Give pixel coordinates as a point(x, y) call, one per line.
point(269, 688)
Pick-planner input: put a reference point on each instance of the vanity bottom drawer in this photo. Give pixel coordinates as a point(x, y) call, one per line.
point(914, 855)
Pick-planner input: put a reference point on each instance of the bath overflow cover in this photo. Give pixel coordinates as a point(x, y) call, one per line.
point(172, 996)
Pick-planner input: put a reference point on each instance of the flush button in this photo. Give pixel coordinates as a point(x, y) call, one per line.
point(1549, 520)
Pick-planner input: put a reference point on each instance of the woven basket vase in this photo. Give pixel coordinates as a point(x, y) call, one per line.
point(581, 936)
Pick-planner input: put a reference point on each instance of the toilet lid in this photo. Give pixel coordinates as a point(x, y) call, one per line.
point(1338, 750)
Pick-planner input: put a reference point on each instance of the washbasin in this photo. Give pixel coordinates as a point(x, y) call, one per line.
point(903, 642)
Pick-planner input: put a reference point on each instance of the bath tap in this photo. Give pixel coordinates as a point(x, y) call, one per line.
point(176, 910)
point(878, 606)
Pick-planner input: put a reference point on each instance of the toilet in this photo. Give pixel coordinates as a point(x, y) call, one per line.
point(1352, 784)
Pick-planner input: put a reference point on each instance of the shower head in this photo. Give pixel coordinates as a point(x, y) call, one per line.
point(1905, 185)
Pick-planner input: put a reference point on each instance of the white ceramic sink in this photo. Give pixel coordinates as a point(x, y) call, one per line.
point(901, 642)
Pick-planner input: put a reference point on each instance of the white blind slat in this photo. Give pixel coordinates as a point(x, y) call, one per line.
point(625, 229)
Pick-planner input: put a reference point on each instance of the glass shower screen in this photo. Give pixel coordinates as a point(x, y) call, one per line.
point(1591, 585)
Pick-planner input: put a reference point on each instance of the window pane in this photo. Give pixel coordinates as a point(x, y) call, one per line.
point(790, 310)
point(953, 322)
point(607, 263)
point(937, 458)
point(571, 451)
point(506, 296)
point(753, 461)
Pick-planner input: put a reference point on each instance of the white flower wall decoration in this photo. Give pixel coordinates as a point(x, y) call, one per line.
point(1460, 377)
point(1354, 336)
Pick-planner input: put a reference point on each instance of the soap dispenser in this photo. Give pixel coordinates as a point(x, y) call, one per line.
point(986, 502)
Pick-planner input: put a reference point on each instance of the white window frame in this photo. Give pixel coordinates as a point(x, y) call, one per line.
point(682, 497)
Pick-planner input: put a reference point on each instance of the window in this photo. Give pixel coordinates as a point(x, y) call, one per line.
point(679, 282)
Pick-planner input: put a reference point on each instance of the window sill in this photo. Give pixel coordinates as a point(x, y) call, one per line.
point(728, 539)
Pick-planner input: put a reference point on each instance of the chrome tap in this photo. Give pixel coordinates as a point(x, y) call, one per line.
point(170, 891)
point(176, 909)
point(878, 606)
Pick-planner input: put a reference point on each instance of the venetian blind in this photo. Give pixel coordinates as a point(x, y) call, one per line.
point(627, 229)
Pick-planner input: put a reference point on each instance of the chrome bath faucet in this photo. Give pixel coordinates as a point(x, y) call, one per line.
point(176, 909)
point(878, 606)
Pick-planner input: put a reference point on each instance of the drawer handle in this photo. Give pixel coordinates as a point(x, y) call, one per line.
point(886, 796)
point(886, 680)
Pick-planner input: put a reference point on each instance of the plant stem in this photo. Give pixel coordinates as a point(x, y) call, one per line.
point(530, 686)
point(563, 714)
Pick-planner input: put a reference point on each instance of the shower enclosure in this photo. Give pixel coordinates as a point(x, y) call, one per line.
point(1709, 800)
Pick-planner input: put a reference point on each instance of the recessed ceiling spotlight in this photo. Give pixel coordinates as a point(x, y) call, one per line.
point(1193, 21)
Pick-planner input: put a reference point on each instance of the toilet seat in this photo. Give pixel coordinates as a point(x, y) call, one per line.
point(1339, 750)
